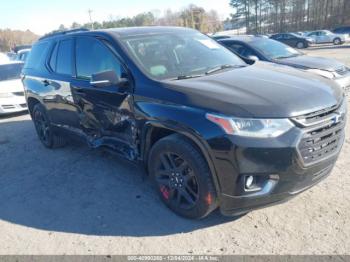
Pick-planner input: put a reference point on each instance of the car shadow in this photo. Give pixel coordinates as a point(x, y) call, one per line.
point(79, 190)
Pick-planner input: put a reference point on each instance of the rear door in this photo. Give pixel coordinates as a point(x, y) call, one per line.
point(323, 37)
point(59, 101)
point(105, 113)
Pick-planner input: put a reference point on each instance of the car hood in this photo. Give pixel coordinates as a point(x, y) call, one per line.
point(262, 90)
point(10, 86)
point(307, 62)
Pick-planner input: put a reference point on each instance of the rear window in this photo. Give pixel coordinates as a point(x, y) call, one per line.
point(10, 71)
point(36, 58)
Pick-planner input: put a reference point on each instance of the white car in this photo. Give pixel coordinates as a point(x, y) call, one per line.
point(12, 97)
point(4, 58)
point(325, 36)
point(22, 55)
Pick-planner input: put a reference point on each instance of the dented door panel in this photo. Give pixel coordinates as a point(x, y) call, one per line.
point(106, 116)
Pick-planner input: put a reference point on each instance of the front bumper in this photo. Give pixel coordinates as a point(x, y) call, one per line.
point(276, 162)
point(12, 105)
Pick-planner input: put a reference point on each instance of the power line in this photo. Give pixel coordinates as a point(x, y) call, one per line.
point(92, 24)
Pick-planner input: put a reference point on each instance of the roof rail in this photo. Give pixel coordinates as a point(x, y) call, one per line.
point(64, 32)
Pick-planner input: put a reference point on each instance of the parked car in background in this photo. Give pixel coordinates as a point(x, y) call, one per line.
point(17, 48)
point(22, 55)
point(11, 55)
point(211, 130)
point(326, 36)
point(4, 58)
point(294, 40)
point(269, 50)
point(12, 97)
point(344, 30)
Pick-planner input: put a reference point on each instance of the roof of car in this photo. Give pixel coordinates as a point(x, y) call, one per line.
point(120, 32)
point(24, 50)
point(242, 38)
point(130, 31)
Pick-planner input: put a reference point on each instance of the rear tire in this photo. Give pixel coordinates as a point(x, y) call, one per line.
point(44, 129)
point(182, 177)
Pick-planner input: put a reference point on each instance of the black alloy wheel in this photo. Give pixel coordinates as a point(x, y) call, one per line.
point(182, 177)
point(176, 181)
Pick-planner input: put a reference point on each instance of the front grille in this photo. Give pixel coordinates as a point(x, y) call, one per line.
point(8, 106)
point(343, 70)
point(323, 134)
point(18, 93)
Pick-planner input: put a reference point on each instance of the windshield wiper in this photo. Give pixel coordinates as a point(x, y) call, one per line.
point(222, 67)
point(181, 77)
point(290, 56)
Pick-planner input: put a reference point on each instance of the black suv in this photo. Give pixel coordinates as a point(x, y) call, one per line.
point(211, 130)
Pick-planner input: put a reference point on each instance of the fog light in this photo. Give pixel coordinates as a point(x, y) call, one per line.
point(249, 180)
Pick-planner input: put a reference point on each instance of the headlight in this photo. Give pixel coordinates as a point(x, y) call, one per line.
point(5, 95)
point(260, 128)
point(343, 109)
point(323, 73)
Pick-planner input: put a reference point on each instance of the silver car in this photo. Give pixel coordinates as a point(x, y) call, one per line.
point(325, 36)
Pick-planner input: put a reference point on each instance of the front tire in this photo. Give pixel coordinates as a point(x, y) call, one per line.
point(44, 129)
point(182, 177)
point(300, 45)
point(337, 41)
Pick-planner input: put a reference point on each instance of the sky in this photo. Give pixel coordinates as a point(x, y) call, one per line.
point(42, 16)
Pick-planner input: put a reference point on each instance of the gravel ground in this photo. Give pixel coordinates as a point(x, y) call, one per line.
point(81, 201)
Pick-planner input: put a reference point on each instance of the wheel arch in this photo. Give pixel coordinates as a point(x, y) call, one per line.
point(31, 102)
point(153, 131)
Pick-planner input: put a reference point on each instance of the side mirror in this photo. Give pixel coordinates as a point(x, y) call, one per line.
point(107, 78)
point(253, 57)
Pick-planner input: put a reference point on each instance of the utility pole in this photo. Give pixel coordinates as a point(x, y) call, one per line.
point(92, 24)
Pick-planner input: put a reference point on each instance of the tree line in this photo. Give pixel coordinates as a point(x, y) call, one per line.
point(270, 16)
point(10, 38)
point(192, 16)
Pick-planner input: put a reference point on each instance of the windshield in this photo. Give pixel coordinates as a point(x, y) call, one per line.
point(179, 54)
point(274, 49)
point(10, 71)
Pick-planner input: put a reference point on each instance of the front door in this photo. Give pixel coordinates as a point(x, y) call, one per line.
point(105, 113)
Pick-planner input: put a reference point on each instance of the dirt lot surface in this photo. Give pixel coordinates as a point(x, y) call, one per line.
point(81, 201)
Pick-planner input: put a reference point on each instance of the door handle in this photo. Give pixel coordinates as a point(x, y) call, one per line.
point(46, 82)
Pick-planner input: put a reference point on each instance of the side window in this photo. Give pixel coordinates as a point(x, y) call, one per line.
point(248, 52)
point(237, 48)
point(92, 56)
point(53, 59)
point(37, 56)
point(64, 57)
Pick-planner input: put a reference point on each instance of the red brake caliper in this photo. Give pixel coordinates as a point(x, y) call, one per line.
point(165, 192)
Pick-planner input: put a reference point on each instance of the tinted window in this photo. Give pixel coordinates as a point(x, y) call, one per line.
point(241, 50)
point(53, 58)
point(92, 57)
point(37, 55)
point(237, 48)
point(273, 49)
point(64, 57)
point(10, 71)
